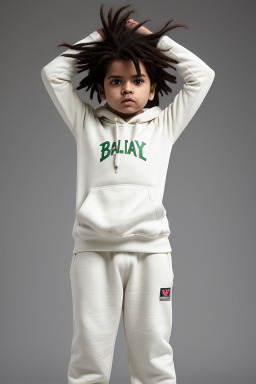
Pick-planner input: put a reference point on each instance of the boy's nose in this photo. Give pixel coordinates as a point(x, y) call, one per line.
point(127, 89)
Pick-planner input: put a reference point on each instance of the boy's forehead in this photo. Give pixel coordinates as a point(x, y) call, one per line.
point(123, 67)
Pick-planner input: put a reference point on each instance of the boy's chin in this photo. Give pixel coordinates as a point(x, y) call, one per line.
point(120, 113)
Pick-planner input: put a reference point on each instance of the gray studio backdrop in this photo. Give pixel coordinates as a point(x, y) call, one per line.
point(209, 195)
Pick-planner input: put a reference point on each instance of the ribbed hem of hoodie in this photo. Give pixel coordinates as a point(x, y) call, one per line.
point(157, 245)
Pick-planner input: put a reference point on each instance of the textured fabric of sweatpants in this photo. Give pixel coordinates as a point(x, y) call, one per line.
point(103, 285)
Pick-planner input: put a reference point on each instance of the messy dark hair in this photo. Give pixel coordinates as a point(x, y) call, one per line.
point(121, 42)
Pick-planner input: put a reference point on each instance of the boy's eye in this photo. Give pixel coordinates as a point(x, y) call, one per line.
point(113, 81)
point(139, 80)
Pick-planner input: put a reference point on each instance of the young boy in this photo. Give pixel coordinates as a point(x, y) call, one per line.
point(122, 258)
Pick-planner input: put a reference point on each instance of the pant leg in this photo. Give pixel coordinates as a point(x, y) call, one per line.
point(97, 296)
point(147, 318)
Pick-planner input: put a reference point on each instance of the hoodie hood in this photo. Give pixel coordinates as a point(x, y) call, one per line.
point(110, 117)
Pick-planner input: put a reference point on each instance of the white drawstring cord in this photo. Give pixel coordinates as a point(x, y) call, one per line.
point(117, 158)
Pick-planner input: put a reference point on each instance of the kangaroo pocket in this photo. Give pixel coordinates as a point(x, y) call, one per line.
point(122, 210)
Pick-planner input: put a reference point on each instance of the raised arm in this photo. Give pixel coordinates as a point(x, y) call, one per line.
point(57, 77)
point(198, 78)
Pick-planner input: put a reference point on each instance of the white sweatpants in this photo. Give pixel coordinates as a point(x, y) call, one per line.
point(103, 285)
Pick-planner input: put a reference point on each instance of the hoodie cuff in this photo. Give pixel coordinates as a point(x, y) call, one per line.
point(96, 36)
point(165, 42)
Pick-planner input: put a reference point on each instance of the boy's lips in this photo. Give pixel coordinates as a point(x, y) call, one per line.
point(128, 99)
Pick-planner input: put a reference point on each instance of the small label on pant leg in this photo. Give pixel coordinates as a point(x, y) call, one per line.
point(165, 294)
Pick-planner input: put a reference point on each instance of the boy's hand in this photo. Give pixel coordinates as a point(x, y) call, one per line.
point(130, 23)
point(100, 31)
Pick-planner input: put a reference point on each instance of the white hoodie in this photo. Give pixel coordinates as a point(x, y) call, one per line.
point(122, 166)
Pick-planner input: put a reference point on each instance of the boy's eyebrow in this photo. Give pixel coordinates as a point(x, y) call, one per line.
point(120, 77)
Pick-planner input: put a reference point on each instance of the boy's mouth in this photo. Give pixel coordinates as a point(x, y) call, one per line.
point(128, 100)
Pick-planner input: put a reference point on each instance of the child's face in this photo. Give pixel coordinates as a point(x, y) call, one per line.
point(120, 82)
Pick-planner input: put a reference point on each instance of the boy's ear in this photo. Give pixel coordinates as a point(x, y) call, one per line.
point(152, 91)
point(101, 91)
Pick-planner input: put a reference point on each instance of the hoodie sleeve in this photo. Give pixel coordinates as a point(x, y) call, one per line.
point(198, 78)
point(57, 77)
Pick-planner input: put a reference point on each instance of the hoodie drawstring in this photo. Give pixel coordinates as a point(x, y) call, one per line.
point(117, 158)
